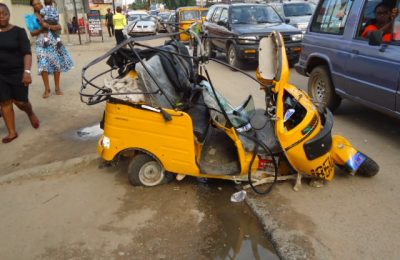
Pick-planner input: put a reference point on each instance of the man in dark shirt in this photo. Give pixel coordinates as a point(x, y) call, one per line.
point(109, 22)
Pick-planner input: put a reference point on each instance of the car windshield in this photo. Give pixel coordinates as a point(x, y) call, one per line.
point(134, 17)
point(190, 15)
point(148, 18)
point(254, 15)
point(164, 16)
point(300, 9)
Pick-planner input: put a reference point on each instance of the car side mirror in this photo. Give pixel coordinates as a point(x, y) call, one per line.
point(375, 38)
point(222, 23)
point(287, 20)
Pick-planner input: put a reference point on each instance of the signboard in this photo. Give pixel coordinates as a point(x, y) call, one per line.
point(94, 24)
point(101, 1)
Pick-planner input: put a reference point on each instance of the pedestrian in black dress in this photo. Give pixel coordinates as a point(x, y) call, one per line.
point(15, 73)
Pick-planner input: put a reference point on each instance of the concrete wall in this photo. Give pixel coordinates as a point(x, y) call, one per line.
point(18, 13)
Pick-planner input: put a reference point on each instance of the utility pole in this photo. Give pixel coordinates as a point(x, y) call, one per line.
point(66, 22)
point(76, 15)
point(113, 3)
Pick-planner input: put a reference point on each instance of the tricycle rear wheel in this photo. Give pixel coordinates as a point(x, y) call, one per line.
point(144, 170)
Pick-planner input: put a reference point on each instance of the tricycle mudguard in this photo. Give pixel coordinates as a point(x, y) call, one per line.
point(345, 155)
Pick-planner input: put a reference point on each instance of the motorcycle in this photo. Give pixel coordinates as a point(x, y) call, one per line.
point(163, 112)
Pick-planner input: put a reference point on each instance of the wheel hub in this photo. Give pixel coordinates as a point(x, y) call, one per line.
point(320, 90)
point(207, 47)
point(151, 174)
point(231, 56)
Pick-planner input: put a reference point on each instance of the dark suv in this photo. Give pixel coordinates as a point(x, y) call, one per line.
point(343, 61)
point(236, 29)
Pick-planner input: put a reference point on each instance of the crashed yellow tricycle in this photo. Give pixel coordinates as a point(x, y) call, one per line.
point(166, 115)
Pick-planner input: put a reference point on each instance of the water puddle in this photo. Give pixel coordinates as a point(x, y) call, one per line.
point(88, 133)
point(240, 235)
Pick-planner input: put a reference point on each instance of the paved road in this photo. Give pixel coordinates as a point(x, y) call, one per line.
point(350, 218)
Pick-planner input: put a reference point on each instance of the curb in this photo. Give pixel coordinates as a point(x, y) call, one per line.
point(50, 169)
point(291, 242)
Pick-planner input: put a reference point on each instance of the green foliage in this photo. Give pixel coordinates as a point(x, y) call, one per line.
point(20, 2)
point(170, 4)
point(139, 5)
point(173, 4)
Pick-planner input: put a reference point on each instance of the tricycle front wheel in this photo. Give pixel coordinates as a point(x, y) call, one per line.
point(144, 170)
point(368, 168)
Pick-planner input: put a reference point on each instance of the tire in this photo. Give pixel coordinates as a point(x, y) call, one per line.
point(368, 168)
point(208, 48)
point(144, 170)
point(232, 58)
point(321, 89)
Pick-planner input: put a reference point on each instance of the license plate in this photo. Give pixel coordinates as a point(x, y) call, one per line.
point(355, 161)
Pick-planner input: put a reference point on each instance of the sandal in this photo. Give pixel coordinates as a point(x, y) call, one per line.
point(7, 140)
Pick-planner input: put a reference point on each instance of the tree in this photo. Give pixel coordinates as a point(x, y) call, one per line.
point(173, 4)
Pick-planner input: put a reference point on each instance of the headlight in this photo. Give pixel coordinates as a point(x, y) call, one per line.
point(302, 26)
point(247, 39)
point(296, 37)
point(106, 142)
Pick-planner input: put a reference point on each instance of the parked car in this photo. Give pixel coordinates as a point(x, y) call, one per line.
point(235, 29)
point(298, 12)
point(144, 25)
point(342, 63)
point(163, 19)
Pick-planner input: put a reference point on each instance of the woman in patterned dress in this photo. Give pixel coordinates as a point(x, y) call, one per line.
point(50, 59)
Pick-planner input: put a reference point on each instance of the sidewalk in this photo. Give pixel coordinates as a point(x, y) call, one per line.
point(60, 116)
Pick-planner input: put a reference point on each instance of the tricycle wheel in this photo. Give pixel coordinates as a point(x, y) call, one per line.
point(144, 170)
point(368, 168)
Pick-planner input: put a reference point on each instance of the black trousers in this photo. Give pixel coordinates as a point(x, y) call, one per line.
point(119, 36)
point(110, 29)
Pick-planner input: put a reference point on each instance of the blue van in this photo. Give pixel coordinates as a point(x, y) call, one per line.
point(344, 59)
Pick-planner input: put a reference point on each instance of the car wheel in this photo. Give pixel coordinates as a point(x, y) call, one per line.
point(144, 170)
point(232, 57)
point(321, 89)
point(208, 48)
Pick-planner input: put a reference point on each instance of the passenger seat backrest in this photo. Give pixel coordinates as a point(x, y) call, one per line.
point(157, 71)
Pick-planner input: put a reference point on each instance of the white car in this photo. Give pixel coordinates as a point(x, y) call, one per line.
point(298, 12)
point(142, 25)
